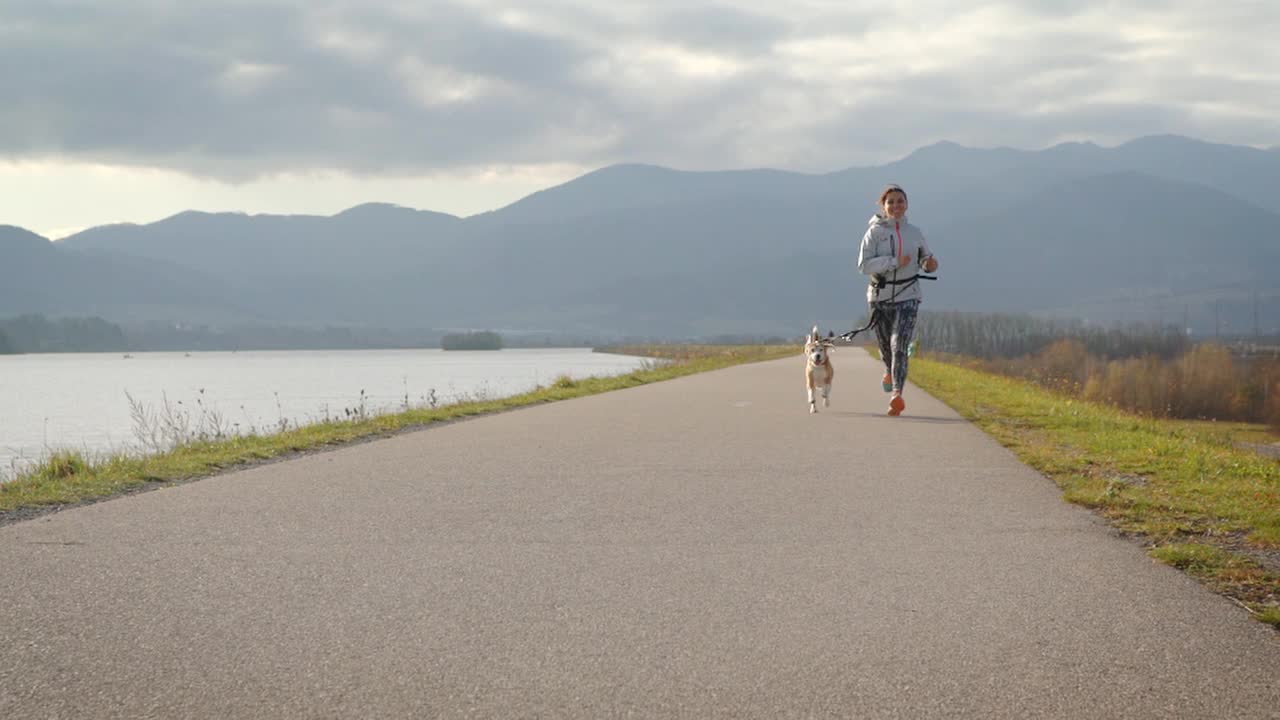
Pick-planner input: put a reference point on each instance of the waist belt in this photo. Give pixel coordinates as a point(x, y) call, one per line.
point(879, 282)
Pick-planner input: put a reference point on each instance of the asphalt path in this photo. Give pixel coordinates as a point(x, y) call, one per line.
point(702, 547)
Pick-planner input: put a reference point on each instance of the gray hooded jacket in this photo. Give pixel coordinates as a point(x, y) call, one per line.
point(887, 238)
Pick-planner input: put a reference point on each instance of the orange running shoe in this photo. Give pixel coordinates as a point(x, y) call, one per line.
point(886, 382)
point(896, 405)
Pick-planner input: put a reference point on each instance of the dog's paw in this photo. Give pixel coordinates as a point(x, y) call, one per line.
point(826, 402)
point(812, 408)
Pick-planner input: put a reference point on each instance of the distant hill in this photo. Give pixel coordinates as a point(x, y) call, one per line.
point(1162, 228)
point(40, 277)
point(1120, 245)
point(243, 249)
point(639, 187)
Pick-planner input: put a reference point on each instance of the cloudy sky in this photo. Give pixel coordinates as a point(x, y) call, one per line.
point(132, 110)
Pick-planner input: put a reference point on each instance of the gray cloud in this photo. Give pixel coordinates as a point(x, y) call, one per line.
point(723, 28)
point(241, 90)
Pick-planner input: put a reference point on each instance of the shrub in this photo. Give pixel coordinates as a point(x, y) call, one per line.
point(62, 464)
point(1206, 381)
point(1268, 376)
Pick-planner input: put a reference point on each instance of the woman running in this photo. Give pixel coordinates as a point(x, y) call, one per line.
point(893, 253)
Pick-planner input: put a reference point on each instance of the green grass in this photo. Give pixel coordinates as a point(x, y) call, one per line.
point(67, 477)
point(1196, 500)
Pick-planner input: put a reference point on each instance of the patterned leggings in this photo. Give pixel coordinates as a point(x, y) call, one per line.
point(894, 342)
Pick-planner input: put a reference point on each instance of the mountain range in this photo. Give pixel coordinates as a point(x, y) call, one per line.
point(1160, 229)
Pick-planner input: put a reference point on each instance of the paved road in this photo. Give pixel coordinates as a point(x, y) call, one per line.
point(697, 548)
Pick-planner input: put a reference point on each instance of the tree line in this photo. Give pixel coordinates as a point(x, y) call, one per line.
point(989, 335)
point(483, 340)
point(39, 334)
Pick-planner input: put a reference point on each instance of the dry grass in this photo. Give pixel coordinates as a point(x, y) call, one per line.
point(1205, 382)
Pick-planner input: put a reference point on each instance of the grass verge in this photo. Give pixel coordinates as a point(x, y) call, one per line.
point(1183, 488)
point(68, 477)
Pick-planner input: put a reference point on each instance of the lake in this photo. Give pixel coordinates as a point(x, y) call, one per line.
point(81, 401)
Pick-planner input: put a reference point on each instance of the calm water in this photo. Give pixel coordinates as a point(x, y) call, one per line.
point(79, 401)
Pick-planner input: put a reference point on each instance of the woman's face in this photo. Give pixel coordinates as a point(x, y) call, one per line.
point(895, 204)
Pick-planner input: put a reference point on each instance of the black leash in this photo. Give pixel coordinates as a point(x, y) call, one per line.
point(879, 282)
point(848, 337)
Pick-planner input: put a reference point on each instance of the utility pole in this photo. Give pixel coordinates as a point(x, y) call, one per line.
point(1215, 320)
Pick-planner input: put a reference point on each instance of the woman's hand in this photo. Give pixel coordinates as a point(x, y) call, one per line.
point(904, 260)
point(930, 264)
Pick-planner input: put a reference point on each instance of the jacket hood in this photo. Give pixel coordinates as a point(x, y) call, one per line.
point(883, 220)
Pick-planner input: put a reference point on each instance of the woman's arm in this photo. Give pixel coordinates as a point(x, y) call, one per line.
point(928, 262)
point(871, 264)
